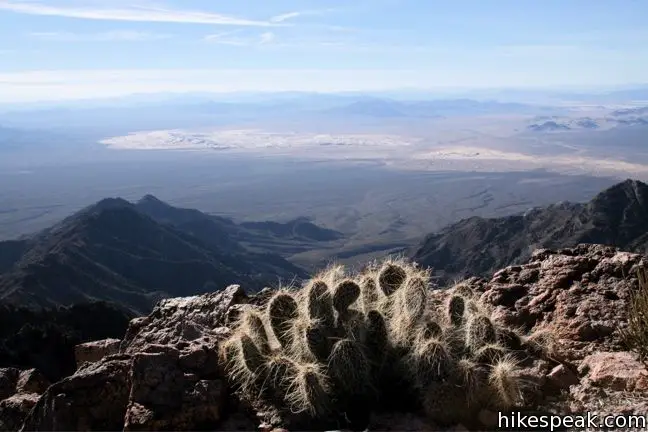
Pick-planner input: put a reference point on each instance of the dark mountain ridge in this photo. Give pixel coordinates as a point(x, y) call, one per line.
point(618, 216)
point(135, 254)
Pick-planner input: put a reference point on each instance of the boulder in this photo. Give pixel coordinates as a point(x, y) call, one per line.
point(616, 371)
point(19, 392)
point(14, 409)
point(94, 351)
point(163, 397)
point(31, 381)
point(94, 398)
point(183, 320)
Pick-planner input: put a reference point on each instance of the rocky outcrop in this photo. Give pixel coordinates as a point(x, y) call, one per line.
point(180, 322)
point(94, 351)
point(164, 396)
point(94, 398)
point(19, 392)
point(168, 374)
point(579, 295)
point(14, 409)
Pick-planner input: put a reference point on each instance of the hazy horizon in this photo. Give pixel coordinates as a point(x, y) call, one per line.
point(54, 50)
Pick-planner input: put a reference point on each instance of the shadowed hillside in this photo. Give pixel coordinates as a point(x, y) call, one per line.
point(114, 252)
point(618, 216)
point(45, 339)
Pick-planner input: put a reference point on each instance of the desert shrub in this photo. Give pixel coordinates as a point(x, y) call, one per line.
point(376, 339)
point(635, 335)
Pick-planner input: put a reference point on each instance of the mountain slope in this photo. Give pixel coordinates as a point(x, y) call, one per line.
point(617, 216)
point(285, 238)
point(113, 252)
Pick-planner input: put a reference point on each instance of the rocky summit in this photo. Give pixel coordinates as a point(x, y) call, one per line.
point(383, 349)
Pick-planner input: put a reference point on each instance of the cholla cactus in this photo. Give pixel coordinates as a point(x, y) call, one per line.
point(344, 337)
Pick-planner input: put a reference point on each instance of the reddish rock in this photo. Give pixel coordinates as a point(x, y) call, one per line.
point(585, 315)
point(562, 377)
point(615, 370)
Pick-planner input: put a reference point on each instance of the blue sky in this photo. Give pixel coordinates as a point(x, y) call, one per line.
point(63, 49)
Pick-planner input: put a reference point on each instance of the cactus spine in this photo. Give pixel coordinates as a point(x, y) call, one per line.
point(282, 311)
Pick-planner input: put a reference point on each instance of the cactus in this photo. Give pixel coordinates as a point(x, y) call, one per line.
point(479, 332)
point(463, 290)
point(504, 379)
point(309, 392)
point(327, 348)
point(377, 337)
point(317, 342)
point(349, 367)
point(490, 353)
point(391, 277)
point(253, 326)
point(345, 294)
point(509, 339)
point(319, 303)
point(429, 361)
point(413, 298)
point(407, 307)
point(281, 371)
point(472, 307)
point(431, 329)
point(541, 343)
point(369, 293)
point(252, 356)
point(472, 377)
point(282, 310)
point(456, 307)
point(350, 324)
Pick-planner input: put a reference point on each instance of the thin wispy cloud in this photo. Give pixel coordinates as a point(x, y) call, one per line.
point(138, 14)
point(231, 38)
point(284, 17)
point(227, 38)
point(111, 36)
point(290, 15)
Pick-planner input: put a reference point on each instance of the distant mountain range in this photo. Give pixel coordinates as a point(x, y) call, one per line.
point(617, 216)
point(134, 254)
point(615, 119)
point(184, 112)
point(433, 108)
